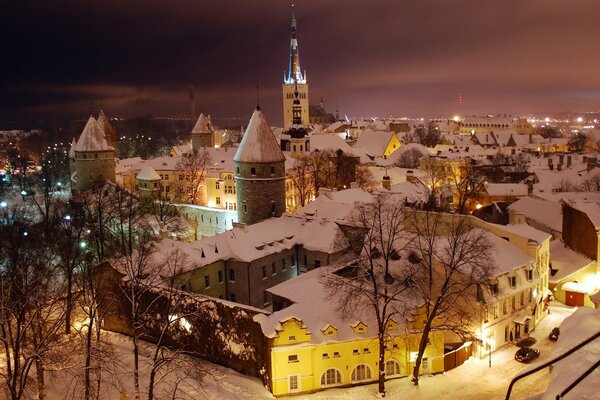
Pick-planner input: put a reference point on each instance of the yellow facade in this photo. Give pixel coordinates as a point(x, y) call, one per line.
point(298, 365)
point(393, 145)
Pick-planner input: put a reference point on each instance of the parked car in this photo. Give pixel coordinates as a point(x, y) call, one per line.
point(526, 354)
point(554, 334)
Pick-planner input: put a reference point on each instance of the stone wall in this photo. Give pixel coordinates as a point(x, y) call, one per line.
point(219, 331)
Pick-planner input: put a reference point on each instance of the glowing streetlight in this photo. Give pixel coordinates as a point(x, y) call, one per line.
point(3, 204)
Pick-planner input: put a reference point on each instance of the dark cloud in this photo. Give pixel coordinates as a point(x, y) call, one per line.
point(65, 58)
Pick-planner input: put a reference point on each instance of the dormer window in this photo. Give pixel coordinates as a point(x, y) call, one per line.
point(494, 288)
point(530, 274)
point(292, 338)
point(512, 280)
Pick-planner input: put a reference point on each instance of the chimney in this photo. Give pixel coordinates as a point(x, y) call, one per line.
point(530, 188)
point(386, 182)
point(559, 167)
point(410, 176)
point(585, 159)
point(569, 159)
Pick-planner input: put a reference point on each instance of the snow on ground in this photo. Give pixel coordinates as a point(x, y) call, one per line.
point(473, 380)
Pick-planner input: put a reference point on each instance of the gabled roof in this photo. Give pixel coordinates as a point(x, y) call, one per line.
point(259, 145)
point(203, 125)
point(148, 174)
point(92, 138)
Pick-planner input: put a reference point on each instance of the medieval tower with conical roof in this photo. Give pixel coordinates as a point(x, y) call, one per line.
point(259, 173)
point(294, 80)
point(203, 134)
point(92, 158)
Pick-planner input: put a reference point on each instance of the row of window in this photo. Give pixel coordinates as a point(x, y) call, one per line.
point(360, 373)
point(274, 267)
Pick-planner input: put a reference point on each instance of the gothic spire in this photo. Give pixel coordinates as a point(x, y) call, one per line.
point(294, 71)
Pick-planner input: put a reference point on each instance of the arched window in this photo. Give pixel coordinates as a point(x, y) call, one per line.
point(392, 368)
point(287, 146)
point(331, 377)
point(361, 373)
point(307, 146)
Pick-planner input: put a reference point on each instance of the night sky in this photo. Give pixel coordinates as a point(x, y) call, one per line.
point(65, 59)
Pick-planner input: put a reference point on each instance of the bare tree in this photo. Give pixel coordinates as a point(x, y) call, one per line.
point(192, 166)
point(466, 181)
point(452, 260)
point(364, 178)
point(174, 318)
point(302, 179)
point(30, 315)
point(409, 158)
point(375, 283)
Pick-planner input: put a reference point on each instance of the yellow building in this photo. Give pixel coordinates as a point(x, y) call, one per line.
point(312, 348)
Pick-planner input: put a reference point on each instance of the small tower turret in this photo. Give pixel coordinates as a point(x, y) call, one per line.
point(203, 134)
point(94, 159)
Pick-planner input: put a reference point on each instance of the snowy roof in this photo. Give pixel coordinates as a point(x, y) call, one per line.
point(259, 145)
point(148, 174)
point(265, 238)
point(313, 306)
point(565, 261)
point(374, 141)
point(336, 205)
point(525, 231)
point(581, 325)
point(203, 125)
point(331, 142)
point(507, 256)
point(545, 212)
point(92, 138)
point(506, 189)
point(506, 120)
point(412, 192)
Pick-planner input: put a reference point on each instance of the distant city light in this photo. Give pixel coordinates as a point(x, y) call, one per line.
point(456, 118)
point(546, 119)
point(579, 119)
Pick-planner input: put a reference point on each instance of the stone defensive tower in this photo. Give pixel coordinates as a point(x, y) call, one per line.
point(259, 173)
point(93, 160)
point(203, 134)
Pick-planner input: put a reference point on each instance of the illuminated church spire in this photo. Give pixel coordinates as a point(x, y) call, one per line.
point(294, 73)
point(295, 86)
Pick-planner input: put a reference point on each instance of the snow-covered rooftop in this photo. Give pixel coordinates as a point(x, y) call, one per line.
point(259, 145)
point(545, 212)
point(566, 261)
point(148, 174)
point(203, 125)
point(92, 138)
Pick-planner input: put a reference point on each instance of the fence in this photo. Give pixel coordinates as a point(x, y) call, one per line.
point(458, 356)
